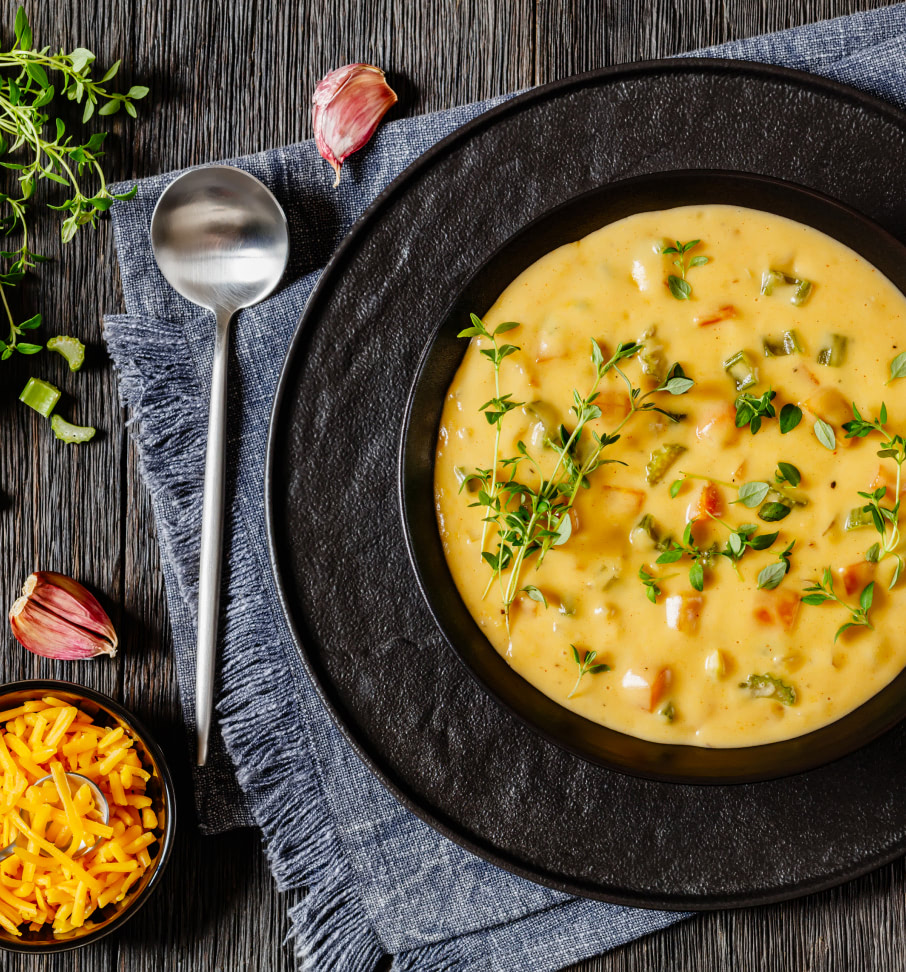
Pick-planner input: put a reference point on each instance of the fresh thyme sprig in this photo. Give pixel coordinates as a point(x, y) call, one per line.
point(771, 576)
point(688, 548)
point(30, 81)
point(652, 590)
point(585, 667)
point(750, 410)
point(886, 519)
point(745, 537)
point(531, 519)
point(823, 590)
point(495, 409)
point(679, 285)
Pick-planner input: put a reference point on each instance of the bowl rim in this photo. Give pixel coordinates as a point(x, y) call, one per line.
point(808, 753)
point(167, 837)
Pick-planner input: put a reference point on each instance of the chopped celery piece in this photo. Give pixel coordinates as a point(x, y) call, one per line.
point(741, 369)
point(803, 292)
point(661, 460)
point(67, 432)
point(651, 357)
point(71, 348)
point(769, 687)
point(773, 278)
point(40, 395)
point(472, 482)
point(833, 353)
point(788, 343)
point(647, 527)
point(789, 497)
point(769, 280)
point(858, 518)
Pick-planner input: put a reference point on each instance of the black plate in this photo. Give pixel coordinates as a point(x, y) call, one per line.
point(572, 221)
point(443, 747)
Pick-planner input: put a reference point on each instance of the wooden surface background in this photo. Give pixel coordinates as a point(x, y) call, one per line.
point(236, 76)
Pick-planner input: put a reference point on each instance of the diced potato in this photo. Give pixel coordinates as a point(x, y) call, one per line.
point(778, 607)
point(831, 405)
point(684, 612)
point(718, 426)
point(855, 576)
point(716, 664)
point(645, 689)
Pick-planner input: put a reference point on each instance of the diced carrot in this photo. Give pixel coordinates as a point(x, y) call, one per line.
point(724, 313)
point(777, 607)
point(856, 576)
point(660, 685)
point(684, 612)
point(710, 503)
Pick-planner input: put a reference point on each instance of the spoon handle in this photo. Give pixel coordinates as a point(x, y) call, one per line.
point(211, 539)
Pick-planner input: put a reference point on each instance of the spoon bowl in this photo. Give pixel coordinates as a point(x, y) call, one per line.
point(221, 240)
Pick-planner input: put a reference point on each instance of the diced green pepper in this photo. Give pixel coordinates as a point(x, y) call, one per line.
point(661, 460)
point(833, 353)
point(742, 370)
point(71, 348)
point(667, 712)
point(858, 518)
point(67, 432)
point(40, 395)
point(770, 687)
point(788, 343)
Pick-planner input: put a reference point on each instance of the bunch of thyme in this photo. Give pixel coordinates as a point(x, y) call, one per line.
point(38, 149)
point(530, 519)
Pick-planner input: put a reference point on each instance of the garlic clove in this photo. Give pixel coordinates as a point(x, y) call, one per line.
point(349, 103)
point(56, 617)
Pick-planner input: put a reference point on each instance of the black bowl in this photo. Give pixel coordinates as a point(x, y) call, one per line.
point(569, 222)
point(106, 712)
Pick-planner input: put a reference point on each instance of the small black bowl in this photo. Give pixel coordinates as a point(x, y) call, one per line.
point(106, 712)
point(569, 222)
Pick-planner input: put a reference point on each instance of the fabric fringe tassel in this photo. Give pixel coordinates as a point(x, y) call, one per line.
point(330, 927)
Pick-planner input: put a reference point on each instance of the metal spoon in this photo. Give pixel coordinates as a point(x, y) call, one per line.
point(221, 240)
point(101, 808)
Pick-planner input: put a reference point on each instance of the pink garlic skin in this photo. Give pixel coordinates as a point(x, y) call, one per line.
point(56, 617)
point(349, 104)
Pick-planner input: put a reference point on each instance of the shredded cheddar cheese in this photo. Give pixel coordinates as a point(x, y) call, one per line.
point(51, 877)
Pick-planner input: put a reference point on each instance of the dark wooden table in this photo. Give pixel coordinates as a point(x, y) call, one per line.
point(235, 76)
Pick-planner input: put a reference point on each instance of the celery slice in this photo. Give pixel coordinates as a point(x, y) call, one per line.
point(741, 369)
point(788, 343)
point(40, 395)
point(67, 432)
point(773, 278)
point(833, 354)
point(858, 518)
point(71, 348)
point(661, 460)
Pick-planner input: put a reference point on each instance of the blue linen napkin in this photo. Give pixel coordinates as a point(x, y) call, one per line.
point(378, 880)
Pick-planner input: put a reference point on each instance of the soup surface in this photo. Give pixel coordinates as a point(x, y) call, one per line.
point(659, 584)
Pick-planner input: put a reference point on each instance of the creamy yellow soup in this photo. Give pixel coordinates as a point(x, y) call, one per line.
point(745, 660)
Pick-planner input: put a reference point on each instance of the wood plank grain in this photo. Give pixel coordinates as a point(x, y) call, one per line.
point(236, 77)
